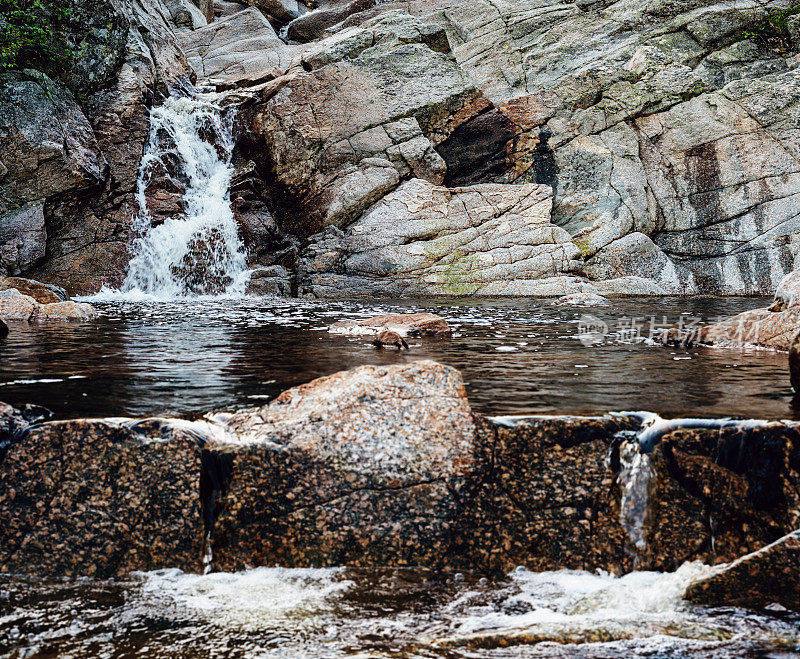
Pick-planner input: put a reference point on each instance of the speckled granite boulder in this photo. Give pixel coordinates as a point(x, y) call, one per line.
point(68, 310)
point(387, 466)
point(364, 468)
point(765, 577)
point(16, 306)
point(96, 498)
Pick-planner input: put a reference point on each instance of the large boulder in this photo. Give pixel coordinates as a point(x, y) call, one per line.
point(764, 578)
point(424, 239)
point(387, 466)
point(68, 310)
point(326, 163)
point(16, 306)
point(366, 470)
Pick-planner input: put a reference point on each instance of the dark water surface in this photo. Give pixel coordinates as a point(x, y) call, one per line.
point(517, 356)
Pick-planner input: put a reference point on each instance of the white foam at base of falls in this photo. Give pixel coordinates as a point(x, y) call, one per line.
point(198, 252)
point(248, 600)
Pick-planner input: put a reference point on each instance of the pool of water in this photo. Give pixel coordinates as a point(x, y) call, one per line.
point(517, 356)
point(274, 612)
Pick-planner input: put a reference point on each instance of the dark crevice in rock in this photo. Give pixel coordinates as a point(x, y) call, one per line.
point(216, 474)
point(477, 151)
point(15, 424)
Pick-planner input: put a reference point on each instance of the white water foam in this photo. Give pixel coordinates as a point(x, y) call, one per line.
point(569, 602)
point(199, 252)
point(249, 600)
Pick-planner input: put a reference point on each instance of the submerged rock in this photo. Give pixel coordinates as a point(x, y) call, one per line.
point(765, 577)
point(408, 324)
point(581, 300)
point(390, 339)
point(3, 329)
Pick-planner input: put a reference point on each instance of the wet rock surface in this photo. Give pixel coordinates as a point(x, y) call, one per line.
point(411, 324)
point(388, 466)
point(41, 292)
point(774, 327)
point(16, 305)
point(767, 577)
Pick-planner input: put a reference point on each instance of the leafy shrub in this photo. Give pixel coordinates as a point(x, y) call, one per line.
point(30, 37)
point(773, 31)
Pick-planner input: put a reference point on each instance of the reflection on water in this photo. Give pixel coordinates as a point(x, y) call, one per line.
point(274, 612)
point(517, 356)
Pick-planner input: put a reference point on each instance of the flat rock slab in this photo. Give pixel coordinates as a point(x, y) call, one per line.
point(407, 324)
point(768, 576)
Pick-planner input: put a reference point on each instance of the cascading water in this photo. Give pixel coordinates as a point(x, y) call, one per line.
point(198, 252)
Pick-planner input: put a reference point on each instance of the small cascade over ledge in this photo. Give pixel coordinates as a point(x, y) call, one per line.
point(197, 251)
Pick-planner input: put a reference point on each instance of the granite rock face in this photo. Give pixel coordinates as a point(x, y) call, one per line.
point(238, 49)
point(48, 150)
point(96, 483)
point(763, 578)
point(666, 134)
point(69, 174)
point(668, 142)
point(387, 466)
point(425, 239)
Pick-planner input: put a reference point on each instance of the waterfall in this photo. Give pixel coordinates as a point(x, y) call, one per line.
point(198, 251)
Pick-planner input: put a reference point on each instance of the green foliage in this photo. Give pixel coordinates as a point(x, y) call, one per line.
point(773, 31)
point(30, 37)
